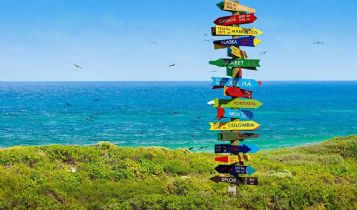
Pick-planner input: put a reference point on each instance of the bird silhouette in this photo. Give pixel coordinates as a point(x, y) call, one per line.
point(77, 66)
point(205, 34)
point(172, 65)
point(263, 53)
point(319, 43)
point(191, 148)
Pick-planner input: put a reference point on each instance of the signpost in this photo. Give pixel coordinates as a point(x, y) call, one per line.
point(237, 103)
point(234, 113)
point(236, 19)
point(236, 136)
point(251, 64)
point(233, 6)
point(236, 180)
point(235, 149)
point(237, 92)
point(234, 31)
point(249, 41)
point(246, 84)
point(235, 52)
point(234, 169)
point(240, 91)
point(232, 159)
point(234, 126)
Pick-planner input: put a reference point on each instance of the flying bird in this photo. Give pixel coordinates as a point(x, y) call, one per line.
point(172, 65)
point(263, 53)
point(319, 43)
point(191, 148)
point(77, 66)
point(205, 34)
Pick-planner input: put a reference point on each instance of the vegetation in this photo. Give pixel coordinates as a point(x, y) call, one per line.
point(105, 176)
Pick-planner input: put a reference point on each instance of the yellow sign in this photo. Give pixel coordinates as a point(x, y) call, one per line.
point(236, 31)
point(234, 126)
point(236, 7)
point(237, 52)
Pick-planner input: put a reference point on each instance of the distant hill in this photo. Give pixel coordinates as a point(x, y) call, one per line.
point(105, 176)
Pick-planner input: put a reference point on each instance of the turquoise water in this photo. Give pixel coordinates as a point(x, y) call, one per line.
point(170, 114)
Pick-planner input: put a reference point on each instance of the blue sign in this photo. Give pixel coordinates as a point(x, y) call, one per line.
point(245, 84)
point(234, 113)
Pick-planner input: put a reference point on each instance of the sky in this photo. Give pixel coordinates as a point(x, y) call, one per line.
point(136, 40)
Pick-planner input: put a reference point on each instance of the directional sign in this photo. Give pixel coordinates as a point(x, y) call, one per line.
point(232, 159)
point(249, 41)
point(234, 136)
point(234, 126)
point(237, 92)
point(235, 52)
point(227, 148)
point(237, 103)
point(235, 170)
point(251, 64)
point(245, 84)
point(234, 113)
point(236, 180)
point(236, 19)
point(233, 6)
point(235, 31)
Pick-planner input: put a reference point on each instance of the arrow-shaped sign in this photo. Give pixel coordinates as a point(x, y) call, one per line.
point(234, 113)
point(235, 52)
point(251, 64)
point(234, 31)
point(236, 180)
point(236, 19)
point(237, 103)
point(232, 159)
point(227, 148)
point(237, 92)
point(235, 170)
point(245, 84)
point(234, 126)
point(235, 136)
point(228, 5)
point(249, 41)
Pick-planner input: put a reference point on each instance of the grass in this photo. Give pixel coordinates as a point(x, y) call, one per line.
point(105, 176)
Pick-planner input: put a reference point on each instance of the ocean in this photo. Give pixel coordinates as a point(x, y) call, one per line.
point(169, 114)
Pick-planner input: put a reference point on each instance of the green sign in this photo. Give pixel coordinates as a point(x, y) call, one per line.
point(235, 63)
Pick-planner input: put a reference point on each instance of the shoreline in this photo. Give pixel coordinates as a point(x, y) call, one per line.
point(181, 148)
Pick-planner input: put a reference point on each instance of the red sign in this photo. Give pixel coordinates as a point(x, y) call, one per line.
point(237, 92)
point(236, 19)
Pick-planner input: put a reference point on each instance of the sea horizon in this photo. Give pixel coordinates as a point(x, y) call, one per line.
point(171, 114)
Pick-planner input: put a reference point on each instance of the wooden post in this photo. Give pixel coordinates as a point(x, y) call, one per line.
point(236, 73)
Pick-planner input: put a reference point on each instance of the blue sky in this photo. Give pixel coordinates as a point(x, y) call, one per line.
point(113, 40)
